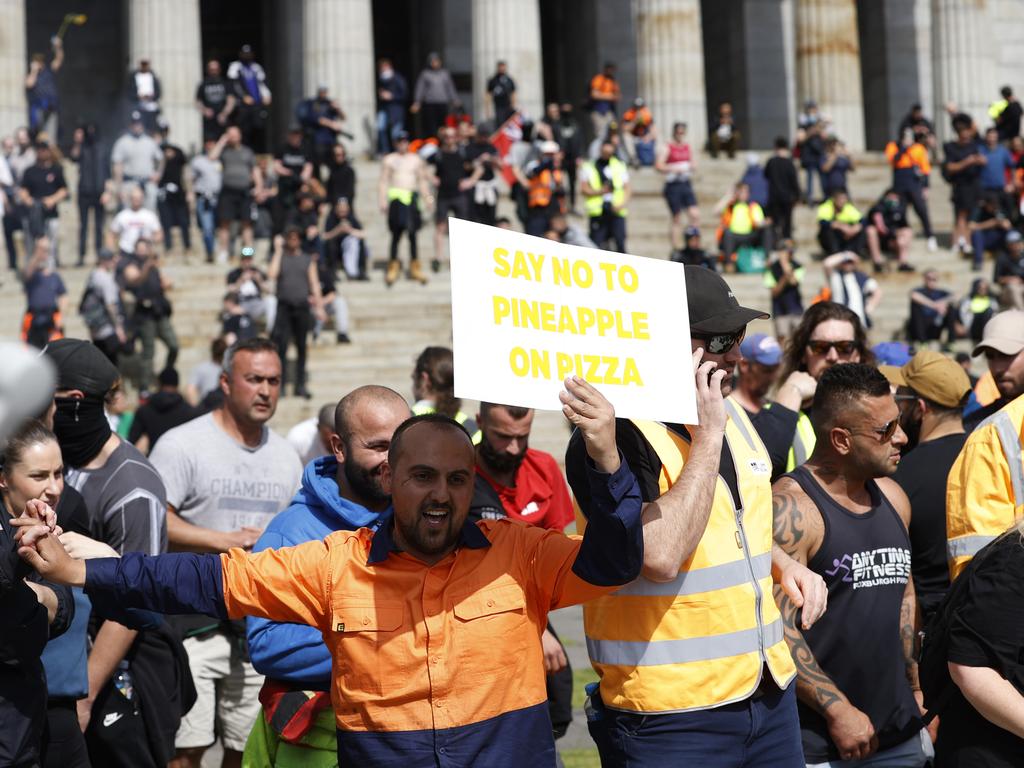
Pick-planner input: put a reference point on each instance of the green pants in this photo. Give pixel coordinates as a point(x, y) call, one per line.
point(319, 747)
point(149, 329)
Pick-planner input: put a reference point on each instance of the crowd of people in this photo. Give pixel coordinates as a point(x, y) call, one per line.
point(374, 588)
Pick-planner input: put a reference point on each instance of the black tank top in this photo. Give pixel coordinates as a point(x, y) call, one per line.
point(865, 561)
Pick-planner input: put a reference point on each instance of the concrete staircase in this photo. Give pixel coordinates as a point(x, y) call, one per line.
point(391, 326)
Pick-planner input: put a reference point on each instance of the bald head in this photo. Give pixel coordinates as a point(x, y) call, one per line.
point(410, 430)
point(370, 397)
point(325, 418)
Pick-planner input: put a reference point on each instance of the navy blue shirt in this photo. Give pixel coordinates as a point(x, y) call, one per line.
point(43, 290)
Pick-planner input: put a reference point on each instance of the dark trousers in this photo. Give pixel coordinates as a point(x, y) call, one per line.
point(922, 327)
point(292, 322)
point(781, 214)
point(731, 242)
point(832, 240)
point(149, 328)
point(89, 202)
point(431, 118)
point(993, 239)
point(63, 740)
point(117, 734)
point(12, 223)
point(570, 176)
point(913, 195)
point(609, 226)
point(173, 212)
point(762, 732)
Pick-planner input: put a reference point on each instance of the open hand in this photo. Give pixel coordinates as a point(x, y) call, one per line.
point(590, 412)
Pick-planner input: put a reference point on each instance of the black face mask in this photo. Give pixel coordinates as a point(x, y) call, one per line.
point(81, 427)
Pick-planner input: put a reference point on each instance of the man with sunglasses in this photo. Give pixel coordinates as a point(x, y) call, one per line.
point(985, 488)
point(708, 678)
point(843, 515)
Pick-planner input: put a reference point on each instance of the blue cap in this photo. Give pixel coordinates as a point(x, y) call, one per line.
point(892, 353)
point(761, 348)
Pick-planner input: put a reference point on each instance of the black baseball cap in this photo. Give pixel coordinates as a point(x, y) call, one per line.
point(80, 365)
point(713, 307)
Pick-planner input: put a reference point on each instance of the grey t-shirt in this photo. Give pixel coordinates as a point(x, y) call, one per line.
point(104, 285)
point(139, 156)
point(205, 377)
point(237, 164)
point(215, 482)
point(126, 501)
point(206, 176)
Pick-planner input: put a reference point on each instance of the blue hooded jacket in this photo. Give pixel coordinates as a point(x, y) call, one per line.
point(296, 653)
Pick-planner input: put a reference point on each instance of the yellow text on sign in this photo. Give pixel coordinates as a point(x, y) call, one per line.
point(579, 273)
point(577, 321)
point(597, 369)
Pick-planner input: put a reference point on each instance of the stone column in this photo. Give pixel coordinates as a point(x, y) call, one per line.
point(168, 34)
point(670, 65)
point(962, 61)
point(508, 30)
point(338, 42)
point(828, 64)
point(13, 66)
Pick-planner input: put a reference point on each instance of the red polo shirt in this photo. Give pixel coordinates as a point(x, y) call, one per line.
point(540, 496)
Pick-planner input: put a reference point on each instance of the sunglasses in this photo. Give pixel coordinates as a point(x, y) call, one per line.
point(881, 434)
point(719, 343)
point(842, 348)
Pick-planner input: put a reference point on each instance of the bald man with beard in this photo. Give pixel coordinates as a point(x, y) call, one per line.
point(340, 491)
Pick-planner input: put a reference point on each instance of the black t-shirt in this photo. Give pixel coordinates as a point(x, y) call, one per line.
point(894, 217)
point(451, 169)
point(783, 182)
point(212, 92)
point(642, 460)
point(478, 148)
point(955, 152)
point(988, 631)
point(42, 182)
point(1009, 121)
point(921, 475)
point(240, 325)
point(294, 159)
point(776, 427)
point(1009, 266)
point(342, 183)
point(174, 164)
point(501, 88)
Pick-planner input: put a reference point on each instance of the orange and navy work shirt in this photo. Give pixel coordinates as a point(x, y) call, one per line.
point(431, 665)
point(605, 93)
point(539, 496)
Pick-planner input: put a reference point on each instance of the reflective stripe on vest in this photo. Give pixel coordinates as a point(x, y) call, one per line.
point(594, 204)
point(1010, 440)
point(803, 442)
point(702, 639)
point(967, 546)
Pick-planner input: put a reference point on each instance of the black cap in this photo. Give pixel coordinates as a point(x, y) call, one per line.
point(80, 365)
point(168, 377)
point(245, 49)
point(135, 117)
point(402, 136)
point(712, 305)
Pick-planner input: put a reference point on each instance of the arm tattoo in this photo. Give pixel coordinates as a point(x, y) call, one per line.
point(813, 686)
point(908, 626)
point(787, 521)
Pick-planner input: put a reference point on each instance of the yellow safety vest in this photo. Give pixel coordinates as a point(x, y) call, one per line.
point(421, 408)
point(985, 488)
point(594, 204)
point(848, 215)
point(744, 217)
point(701, 640)
point(803, 442)
point(995, 109)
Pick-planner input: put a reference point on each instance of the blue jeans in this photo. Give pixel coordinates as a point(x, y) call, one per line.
point(987, 240)
point(206, 217)
point(813, 171)
point(761, 732)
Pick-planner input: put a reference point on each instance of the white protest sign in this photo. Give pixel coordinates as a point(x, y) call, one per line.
point(527, 312)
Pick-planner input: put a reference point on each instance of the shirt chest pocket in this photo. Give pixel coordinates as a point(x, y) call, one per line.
point(490, 616)
point(368, 643)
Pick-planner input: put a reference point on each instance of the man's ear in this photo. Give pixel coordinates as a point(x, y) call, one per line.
point(841, 440)
point(337, 447)
point(386, 477)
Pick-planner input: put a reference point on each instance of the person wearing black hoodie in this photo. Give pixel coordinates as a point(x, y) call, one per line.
point(164, 410)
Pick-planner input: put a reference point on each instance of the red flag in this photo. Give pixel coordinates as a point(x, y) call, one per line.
point(507, 134)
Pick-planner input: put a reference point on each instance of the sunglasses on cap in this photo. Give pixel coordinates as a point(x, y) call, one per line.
point(719, 343)
point(881, 434)
point(841, 347)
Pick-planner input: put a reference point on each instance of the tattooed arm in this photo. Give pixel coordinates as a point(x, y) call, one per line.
point(797, 529)
point(910, 615)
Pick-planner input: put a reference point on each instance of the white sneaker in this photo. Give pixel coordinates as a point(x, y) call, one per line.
point(933, 244)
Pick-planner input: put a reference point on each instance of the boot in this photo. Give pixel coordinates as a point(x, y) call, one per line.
point(394, 268)
point(416, 272)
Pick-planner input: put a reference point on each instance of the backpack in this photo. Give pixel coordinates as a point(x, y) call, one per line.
point(933, 670)
point(92, 309)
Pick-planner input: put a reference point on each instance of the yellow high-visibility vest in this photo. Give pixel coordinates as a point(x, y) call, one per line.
point(703, 639)
point(594, 204)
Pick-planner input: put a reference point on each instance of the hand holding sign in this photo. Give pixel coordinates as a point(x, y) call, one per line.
point(590, 412)
point(528, 312)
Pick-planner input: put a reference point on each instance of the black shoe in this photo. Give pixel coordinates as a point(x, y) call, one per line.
point(304, 393)
point(906, 267)
point(435, 265)
point(344, 339)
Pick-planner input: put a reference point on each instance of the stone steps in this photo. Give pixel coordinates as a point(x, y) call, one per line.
point(389, 327)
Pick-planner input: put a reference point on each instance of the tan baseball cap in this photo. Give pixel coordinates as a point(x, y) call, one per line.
point(933, 376)
point(1004, 333)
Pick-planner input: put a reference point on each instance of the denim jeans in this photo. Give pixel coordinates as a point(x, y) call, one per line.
point(206, 217)
point(912, 753)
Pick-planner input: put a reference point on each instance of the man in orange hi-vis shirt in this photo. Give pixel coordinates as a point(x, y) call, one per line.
point(604, 99)
point(432, 623)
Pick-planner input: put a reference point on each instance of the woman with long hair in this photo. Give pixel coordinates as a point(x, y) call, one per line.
point(433, 386)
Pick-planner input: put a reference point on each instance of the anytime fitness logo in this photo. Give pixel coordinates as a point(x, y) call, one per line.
point(873, 568)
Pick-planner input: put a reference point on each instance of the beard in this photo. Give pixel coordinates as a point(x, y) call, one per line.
point(421, 538)
point(365, 483)
point(499, 461)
